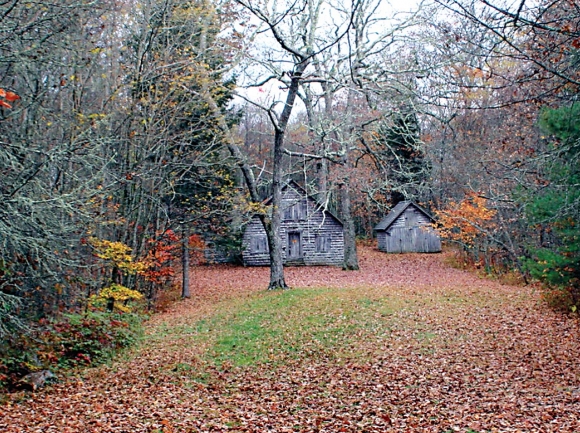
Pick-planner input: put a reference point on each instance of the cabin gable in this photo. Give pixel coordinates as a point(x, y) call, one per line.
point(310, 235)
point(407, 229)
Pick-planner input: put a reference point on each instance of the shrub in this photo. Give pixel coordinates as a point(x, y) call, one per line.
point(92, 337)
point(115, 298)
point(75, 339)
point(558, 299)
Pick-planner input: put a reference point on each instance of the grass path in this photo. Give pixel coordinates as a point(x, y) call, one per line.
point(406, 344)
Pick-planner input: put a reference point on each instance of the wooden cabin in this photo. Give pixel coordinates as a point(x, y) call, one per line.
point(408, 229)
point(310, 234)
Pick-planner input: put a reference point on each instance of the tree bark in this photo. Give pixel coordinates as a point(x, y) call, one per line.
point(277, 280)
point(185, 294)
point(350, 253)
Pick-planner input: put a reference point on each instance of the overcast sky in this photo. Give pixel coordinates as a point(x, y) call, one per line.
point(396, 10)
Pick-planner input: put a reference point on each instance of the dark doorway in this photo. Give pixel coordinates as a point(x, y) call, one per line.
point(294, 245)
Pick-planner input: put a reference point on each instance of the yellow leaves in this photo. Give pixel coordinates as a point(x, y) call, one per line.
point(117, 294)
point(465, 220)
point(118, 254)
point(92, 118)
point(256, 208)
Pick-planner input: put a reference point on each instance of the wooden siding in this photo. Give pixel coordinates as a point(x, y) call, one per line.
point(410, 232)
point(320, 234)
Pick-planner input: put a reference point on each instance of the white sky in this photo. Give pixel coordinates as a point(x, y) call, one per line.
point(391, 11)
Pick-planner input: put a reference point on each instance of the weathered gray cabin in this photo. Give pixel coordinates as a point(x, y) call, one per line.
point(408, 229)
point(310, 234)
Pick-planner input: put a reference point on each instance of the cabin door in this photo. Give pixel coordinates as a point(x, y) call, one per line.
point(294, 245)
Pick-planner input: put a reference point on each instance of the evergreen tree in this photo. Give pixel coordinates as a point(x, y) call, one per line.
point(401, 148)
point(555, 212)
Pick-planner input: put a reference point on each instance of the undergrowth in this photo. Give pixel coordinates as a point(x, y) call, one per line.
point(495, 269)
point(70, 341)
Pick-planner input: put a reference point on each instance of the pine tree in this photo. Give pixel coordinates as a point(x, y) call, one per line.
point(401, 147)
point(556, 210)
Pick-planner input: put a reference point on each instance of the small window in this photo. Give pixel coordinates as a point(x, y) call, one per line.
point(296, 212)
point(301, 210)
point(288, 213)
point(323, 243)
point(259, 244)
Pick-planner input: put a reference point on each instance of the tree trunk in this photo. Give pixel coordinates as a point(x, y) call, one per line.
point(277, 280)
point(185, 263)
point(350, 253)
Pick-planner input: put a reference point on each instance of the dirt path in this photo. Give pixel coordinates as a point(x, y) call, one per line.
point(466, 354)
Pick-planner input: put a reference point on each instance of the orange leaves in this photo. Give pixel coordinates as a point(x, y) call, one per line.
point(7, 96)
point(162, 251)
point(10, 96)
point(465, 220)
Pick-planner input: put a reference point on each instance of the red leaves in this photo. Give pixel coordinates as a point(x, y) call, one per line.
point(161, 253)
point(8, 96)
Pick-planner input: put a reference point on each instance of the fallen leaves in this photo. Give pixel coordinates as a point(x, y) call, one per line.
point(8, 96)
point(456, 354)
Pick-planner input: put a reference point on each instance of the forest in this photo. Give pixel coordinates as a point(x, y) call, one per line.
point(139, 137)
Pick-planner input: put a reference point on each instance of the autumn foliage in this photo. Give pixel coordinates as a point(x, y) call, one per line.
point(467, 220)
point(6, 97)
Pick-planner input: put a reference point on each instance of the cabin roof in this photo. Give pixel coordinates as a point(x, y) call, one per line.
point(397, 211)
point(295, 185)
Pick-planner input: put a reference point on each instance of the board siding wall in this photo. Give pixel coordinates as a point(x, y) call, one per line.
point(411, 232)
point(316, 223)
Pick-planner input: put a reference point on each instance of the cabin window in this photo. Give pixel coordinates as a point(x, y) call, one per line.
point(296, 212)
point(323, 243)
point(260, 244)
point(288, 214)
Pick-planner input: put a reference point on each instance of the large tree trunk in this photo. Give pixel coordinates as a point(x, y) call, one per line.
point(277, 280)
point(350, 253)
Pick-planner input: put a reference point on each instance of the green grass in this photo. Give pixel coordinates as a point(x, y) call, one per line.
point(275, 326)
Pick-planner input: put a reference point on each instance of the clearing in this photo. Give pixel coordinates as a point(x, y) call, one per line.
point(406, 344)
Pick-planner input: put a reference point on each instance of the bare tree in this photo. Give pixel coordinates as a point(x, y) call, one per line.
point(294, 29)
point(357, 86)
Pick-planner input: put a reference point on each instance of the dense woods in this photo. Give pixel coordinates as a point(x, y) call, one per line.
point(132, 131)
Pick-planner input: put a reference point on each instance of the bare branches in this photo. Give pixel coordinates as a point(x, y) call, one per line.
point(534, 35)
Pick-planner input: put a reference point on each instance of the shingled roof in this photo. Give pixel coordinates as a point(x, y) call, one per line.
point(396, 213)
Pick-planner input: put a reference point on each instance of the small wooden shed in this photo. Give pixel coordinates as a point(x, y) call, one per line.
point(408, 229)
point(311, 235)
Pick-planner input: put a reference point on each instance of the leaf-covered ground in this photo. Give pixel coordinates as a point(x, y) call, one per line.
point(406, 344)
